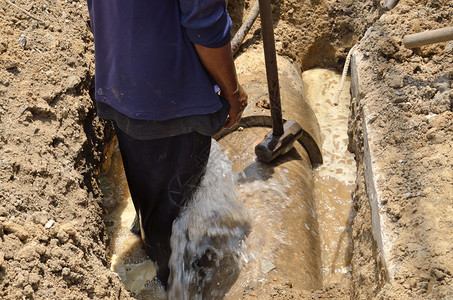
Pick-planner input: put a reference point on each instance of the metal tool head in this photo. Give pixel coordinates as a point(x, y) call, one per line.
point(273, 146)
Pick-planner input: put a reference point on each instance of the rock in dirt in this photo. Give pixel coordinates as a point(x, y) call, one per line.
point(2, 259)
point(41, 217)
point(3, 47)
point(73, 82)
point(9, 64)
point(22, 40)
point(27, 253)
point(18, 230)
point(49, 224)
point(267, 266)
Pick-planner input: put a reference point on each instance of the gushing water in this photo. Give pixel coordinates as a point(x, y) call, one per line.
point(207, 237)
point(282, 247)
point(206, 240)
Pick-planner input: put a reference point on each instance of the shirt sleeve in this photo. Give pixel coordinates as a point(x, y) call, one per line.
point(206, 22)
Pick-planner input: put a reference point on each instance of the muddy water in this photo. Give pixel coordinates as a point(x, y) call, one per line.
point(128, 257)
point(283, 246)
point(334, 180)
point(218, 229)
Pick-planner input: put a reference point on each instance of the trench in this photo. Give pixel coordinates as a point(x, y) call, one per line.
point(301, 215)
point(39, 180)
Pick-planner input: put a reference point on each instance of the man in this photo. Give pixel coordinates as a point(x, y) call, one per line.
point(159, 67)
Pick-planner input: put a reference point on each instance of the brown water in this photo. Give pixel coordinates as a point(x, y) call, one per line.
point(128, 257)
point(284, 243)
point(284, 217)
point(214, 222)
point(334, 180)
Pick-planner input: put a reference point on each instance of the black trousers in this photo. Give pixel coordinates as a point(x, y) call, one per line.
point(162, 175)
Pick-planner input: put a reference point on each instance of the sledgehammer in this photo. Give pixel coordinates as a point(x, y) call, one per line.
point(282, 137)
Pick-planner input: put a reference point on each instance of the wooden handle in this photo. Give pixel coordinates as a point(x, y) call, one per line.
point(271, 66)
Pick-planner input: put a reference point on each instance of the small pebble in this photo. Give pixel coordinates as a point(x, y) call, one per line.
point(22, 40)
point(73, 82)
point(267, 266)
point(49, 224)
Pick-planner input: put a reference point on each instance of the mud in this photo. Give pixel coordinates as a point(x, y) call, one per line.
point(52, 237)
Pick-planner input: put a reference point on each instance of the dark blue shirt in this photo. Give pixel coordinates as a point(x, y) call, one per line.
point(146, 65)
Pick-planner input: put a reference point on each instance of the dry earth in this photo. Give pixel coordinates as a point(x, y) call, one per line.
point(52, 240)
point(408, 97)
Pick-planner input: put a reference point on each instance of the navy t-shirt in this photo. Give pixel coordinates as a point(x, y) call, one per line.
point(146, 65)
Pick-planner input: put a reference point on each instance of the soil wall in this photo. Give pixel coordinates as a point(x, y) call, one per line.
point(52, 243)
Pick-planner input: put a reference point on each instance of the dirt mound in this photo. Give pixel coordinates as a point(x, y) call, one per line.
point(408, 97)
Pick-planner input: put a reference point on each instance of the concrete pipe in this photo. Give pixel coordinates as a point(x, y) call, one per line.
point(284, 244)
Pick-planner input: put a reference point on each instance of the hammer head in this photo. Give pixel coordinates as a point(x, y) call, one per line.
point(273, 146)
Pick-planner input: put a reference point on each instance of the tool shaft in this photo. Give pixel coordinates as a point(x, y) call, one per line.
point(428, 37)
point(270, 58)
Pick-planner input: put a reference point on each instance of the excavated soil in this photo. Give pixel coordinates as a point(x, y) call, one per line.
point(52, 236)
point(408, 95)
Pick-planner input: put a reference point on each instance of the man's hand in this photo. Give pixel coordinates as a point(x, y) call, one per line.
point(219, 63)
point(238, 102)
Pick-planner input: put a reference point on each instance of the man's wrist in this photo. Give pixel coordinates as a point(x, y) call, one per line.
point(230, 94)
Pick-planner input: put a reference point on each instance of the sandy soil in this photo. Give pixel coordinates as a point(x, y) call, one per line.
point(52, 241)
point(409, 95)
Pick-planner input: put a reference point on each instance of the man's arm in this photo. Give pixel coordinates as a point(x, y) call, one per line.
point(220, 64)
point(207, 25)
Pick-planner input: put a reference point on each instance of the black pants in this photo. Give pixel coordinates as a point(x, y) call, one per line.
point(162, 174)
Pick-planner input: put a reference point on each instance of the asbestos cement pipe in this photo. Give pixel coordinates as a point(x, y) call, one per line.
point(428, 37)
point(283, 246)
